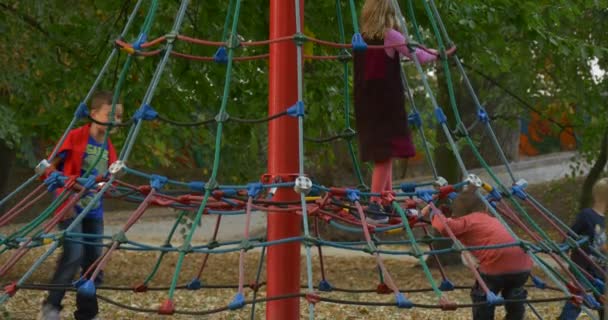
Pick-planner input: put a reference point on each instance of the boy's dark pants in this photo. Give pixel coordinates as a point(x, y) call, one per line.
point(511, 286)
point(75, 254)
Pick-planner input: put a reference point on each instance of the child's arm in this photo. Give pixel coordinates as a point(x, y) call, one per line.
point(393, 38)
point(458, 226)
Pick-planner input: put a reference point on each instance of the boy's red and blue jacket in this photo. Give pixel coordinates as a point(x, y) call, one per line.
point(72, 151)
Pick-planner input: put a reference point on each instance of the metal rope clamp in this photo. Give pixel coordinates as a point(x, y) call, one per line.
point(303, 185)
point(474, 180)
point(117, 168)
point(440, 182)
point(42, 166)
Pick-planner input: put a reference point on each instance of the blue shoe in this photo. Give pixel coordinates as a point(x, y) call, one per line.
point(375, 214)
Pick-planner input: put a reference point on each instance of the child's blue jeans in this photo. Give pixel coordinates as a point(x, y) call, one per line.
point(75, 256)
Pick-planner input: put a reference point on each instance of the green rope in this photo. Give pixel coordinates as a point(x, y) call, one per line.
point(412, 18)
point(417, 250)
point(227, 21)
point(353, 12)
point(216, 160)
point(167, 242)
point(345, 76)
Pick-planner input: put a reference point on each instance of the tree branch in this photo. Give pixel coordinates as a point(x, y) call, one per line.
point(26, 18)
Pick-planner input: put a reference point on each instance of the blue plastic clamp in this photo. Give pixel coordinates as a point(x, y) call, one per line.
point(82, 111)
point(297, 110)
point(145, 112)
point(158, 182)
point(220, 56)
point(237, 302)
point(358, 42)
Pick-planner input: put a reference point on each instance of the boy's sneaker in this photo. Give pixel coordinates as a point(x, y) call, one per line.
point(375, 214)
point(49, 312)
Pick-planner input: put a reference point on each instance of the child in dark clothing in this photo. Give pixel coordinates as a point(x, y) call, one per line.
point(590, 222)
point(79, 153)
point(504, 270)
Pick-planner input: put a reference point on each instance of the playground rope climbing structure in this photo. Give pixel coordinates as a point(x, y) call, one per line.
point(284, 190)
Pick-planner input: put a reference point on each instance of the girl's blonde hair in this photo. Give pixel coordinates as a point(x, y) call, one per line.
point(600, 190)
point(376, 17)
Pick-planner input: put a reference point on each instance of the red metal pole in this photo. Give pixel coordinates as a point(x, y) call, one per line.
point(283, 261)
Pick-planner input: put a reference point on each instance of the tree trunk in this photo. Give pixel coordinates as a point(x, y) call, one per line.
point(6, 164)
point(594, 174)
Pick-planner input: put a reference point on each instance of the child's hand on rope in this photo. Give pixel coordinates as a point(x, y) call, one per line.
point(426, 210)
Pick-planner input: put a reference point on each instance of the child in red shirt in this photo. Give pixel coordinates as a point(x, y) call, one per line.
point(504, 270)
point(79, 153)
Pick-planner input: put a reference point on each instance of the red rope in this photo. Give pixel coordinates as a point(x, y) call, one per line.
point(213, 238)
point(387, 277)
point(536, 237)
point(22, 206)
point(565, 235)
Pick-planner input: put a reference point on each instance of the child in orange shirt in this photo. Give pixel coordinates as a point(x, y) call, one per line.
point(504, 270)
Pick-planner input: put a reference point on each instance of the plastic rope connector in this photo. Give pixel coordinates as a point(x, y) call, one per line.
point(186, 248)
point(493, 300)
point(349, 133)
point(145, 112)
point(519, 192)
point(446, 285)
point(158, 182)
point(223, 116)
point(297, 110)
point(344, 56)
point(538, 282)
point(170, 37)
point(87, 289)
point(425, 195)
point(141, 39)
point(403, 302)
point(120, 237)
point(167, 307)
point(353, 195)
point(197, 186)
point(408, 187)
point(414, 120)
point(237, 302)
point(299, 39)
point(82, 111)
point(78, 283)
point(220, 55)
point(194, 284)
point(482, 116)
point(90, 182)
point(358, 42)
point(54, 181)
point(599, 284)
point(382, 288)
point(246, 245)
point(11, 289)
point(441, 118)
point(495, 195)
point(309, 241)
point(254, 189)
point(312, 298)
point(592, 302)
point(452, 195)
point(325, 286)
point(142, 287)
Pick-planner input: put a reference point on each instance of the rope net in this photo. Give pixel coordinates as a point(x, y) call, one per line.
point(340, 208)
